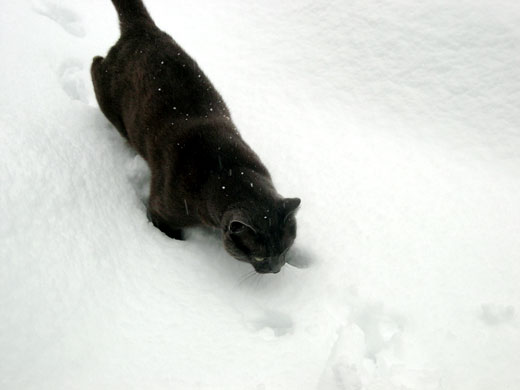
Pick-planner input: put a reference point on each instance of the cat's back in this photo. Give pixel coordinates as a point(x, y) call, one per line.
point(160, 89)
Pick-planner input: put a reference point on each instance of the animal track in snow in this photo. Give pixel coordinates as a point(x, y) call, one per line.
point(382, 329)
point(367, 354)
point(300, 257)
point(345, 367)
point(493, 314)
point(271, 323)
point(69, 20)
point(71, 80)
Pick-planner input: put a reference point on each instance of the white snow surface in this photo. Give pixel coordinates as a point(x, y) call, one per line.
point(396, 122)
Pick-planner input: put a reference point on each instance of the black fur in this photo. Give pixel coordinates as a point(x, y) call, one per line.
point(202, 170)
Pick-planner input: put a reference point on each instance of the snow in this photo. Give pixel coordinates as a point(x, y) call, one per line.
point(397, 123)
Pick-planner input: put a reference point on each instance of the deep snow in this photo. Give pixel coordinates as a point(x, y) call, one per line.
point(396, 122)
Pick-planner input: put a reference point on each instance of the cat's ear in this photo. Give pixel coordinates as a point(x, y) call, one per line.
point(290, 205)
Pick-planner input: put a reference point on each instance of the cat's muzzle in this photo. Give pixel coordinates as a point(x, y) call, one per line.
point(268, 265)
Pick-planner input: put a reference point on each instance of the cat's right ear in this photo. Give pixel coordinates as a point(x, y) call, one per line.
point(290, 207)
point(291, 204)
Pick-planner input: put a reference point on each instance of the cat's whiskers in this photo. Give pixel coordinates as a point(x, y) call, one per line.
point(258, 278)
point(246, 277)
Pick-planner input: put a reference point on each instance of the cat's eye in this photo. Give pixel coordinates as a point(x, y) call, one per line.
point(236, 227)
point(259, 259)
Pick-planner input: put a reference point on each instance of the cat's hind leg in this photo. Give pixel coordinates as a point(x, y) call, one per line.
point(101, 80)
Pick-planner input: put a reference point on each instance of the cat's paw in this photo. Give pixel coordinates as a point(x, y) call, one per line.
point(69, 20)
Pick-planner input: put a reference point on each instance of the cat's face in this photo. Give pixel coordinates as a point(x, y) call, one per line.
point(261, 236)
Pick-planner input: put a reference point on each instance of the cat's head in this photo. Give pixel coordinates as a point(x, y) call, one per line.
point(261, 234)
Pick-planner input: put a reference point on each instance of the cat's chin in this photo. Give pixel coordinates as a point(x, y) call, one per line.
point(262, 272)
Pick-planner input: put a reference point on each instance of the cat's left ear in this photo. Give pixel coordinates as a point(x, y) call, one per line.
point(290, 205)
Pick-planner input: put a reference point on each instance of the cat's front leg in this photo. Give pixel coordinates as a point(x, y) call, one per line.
point(164, 226)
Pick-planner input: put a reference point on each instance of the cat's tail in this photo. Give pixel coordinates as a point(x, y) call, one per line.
point(132, 15)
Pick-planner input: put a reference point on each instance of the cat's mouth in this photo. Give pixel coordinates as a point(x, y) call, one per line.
point(267, 265)
point(265, 271)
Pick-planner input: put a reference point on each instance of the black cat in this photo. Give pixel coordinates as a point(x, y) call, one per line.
point(202, 170)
